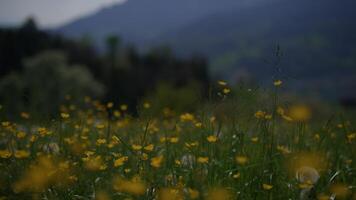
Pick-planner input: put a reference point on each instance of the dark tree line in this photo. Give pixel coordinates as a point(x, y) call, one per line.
point(126, 74)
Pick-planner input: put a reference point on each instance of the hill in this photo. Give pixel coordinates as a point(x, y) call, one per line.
point(317, 37)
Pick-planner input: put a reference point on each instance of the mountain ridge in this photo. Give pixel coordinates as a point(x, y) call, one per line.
point(317, 36)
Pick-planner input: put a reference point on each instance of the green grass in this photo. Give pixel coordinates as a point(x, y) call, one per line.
point(256, 155)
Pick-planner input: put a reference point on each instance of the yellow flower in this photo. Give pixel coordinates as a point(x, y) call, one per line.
point(117, 113)
point(37, 177)
point(222, 83)
point(317, 137)
point(236, 176)
point(43, 131)
point(212, 119)
point(203, 160)
point(268, 116)
point(283, 149)
point(174, 139)
point(21, 134)
point(100, 141)
point(136, 147)
point(323, 197)
point(95, 164)
point(65, 115)
point(241, 160)
point(351, 136)
point(277, 83)
point(254, 139)
point(177, 162)
point(287, 118)
point(146, 105)
point(192, 144)
point(162, 139)
point(123, 107)
point(219, 194)
point(5, 124)
point(134, 186)
point(198, 124)
point(226, 90)
point(340, 190)
point(100, 126)
point(25, 115)
point(110, 105)
point(266, 186)
point(306, 185)
point(120, 161)
point(21, 154)
point(101, 195)
point(156, 161)
point(5, 153)
point(193, 194)
point(280, 111)
point(300, 113)
point(260, 114)
point(212, 138)
point(170, 194)
point(144, 156)
point(306, 166)
point(149, 147)
point(187, 117)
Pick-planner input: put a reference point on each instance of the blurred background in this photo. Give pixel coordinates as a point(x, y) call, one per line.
point(172, 51)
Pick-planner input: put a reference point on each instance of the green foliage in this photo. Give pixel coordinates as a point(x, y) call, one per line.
point(187, 98)
point(46, 80)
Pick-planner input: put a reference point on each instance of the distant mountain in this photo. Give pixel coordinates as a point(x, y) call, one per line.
point(317, 37)
point(142, 20)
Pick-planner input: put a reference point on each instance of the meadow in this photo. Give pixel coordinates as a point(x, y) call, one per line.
point(243, 145)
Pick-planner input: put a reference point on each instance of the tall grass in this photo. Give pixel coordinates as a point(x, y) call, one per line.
point(247, 147)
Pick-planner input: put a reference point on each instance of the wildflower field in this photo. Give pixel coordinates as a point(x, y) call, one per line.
point(250, 146)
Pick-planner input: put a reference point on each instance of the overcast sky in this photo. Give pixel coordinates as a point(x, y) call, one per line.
point(48, 13)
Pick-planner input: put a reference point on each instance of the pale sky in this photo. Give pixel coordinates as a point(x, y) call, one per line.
point(49, 13)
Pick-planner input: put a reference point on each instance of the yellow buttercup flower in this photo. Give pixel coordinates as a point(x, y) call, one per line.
point(149, 147)
point(100, 141)
point(203, 160)
point(198, 124)
point(110, 105)
point(146, 105)
point(134, 186)
point(65, 115)
point(260, 114)
point(254, 139)
point(193, 194)
point(212, 138)
point(187, 117)
point(236, 176)
point(226, 90)
point(123, 107)
point(219, 194)
point(21, 154)
point(136, 147)
point(299, 113)
point(277, 83)
point(241, 160)
point(170, 194)
point(266, 186)
point(101, 195)
point(222, 83)
point(120, 161)
point(25, 115)
point(157, 161)
point(174, 140)
point(5, 153)
point(21, 134)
